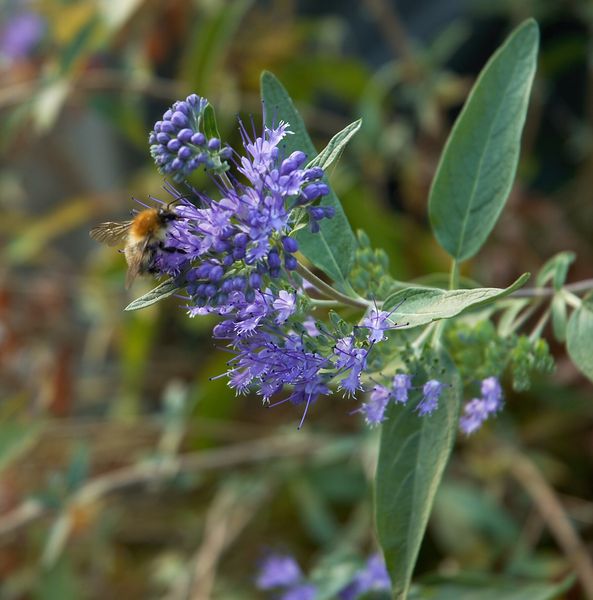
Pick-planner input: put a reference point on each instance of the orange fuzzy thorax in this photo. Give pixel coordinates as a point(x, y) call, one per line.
point(146, 223)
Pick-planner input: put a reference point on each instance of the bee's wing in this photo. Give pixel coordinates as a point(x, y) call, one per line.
point(110, 233)
point(135, 257)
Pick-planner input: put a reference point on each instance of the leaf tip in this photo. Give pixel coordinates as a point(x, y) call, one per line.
point(529, 29)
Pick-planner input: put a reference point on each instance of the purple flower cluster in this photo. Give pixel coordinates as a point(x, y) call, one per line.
point(242, 239)
point(282, 572)
point(375, 408)
point(476, 411)
point(270, 355)
point(178, 145)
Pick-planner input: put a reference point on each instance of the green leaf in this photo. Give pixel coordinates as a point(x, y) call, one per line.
point(423, 305)
point(412, 457)
point(336, 146)
point(555, 270)
point(164, 290)
point(559, 317)
point(477, 167)
point(210, 124)
point(579, 334)
point(15, 439)
point(332, 248)
point(333, 574)
point(490, 588)
point(210, 42)
point(59, 582)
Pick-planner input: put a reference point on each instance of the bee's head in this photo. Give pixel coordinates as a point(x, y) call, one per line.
point(166, 215)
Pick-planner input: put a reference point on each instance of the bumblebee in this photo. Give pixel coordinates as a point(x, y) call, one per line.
point(143, 235)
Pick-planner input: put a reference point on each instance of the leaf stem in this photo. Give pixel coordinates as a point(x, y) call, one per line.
point(328, 290)
point(454, 275)
point(520, 320)
point(547, 503)
point(421, 339)
point(540, 325)
point(317, 302)
point(227, 182)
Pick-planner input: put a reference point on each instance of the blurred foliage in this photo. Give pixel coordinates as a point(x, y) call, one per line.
point(124, 471)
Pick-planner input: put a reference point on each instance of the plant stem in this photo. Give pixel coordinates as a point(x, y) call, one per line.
point(318, 302)
point(521, 319)
point(540, 325)
point(421, 339)
point(328, 290)
point(578, 286)
point(454, 275)
point(227, 182)
point(547, 503)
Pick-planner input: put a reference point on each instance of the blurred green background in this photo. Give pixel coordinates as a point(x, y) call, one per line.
point(124, 471)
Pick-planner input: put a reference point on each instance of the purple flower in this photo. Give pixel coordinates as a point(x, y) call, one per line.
point(352, 359)
point(177, 145)
point(431, 391)
point(20, 34)
point(374, 577)
point(285, 304)
point(492, 393)
point(377, 321)
point(305, 591)
point(310, 326)
point(401, 385)
point(374, 409)
point(270, 360)
point(283, 572)
point(476, 411)
point(241, 240)
point(278, 571)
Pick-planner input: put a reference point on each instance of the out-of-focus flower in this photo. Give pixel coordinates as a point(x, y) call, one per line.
point(278, 570)
point(374, 409)
point(402, 383)
point(431, 390)
point(478, 410)
point(20, 34)
point(282, 572)
point(373, 577)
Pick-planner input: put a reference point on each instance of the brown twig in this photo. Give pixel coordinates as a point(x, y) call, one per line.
point(158, 471)
point(550, 508)
point(100, 80)
point(229, 514)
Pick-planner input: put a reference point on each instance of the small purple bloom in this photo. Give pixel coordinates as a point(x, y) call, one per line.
point(431, 390)
point(285, 304)
point(311, 327)
point(377, 321)
point(278, 571)
point(374, 409)
point(401, 385)
point(305, 591)
point(475, 412)
point(492, 393)
point(350, 358)
point(374, 577)
point(478, 410)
